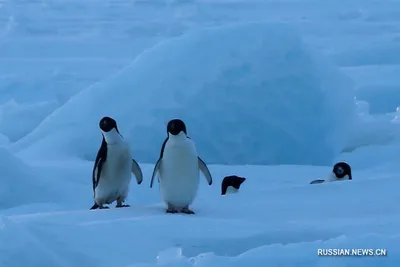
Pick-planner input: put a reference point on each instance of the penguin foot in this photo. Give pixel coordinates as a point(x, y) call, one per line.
point(171, 210)
point(96, 206)
point(187, 211)
point(120, 203)
point(122, 206)
point(103, 207)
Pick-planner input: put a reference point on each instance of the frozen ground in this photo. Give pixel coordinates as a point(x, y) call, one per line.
point(276, 219)
point(284, 85)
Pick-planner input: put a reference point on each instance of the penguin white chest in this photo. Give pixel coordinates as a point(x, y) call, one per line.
point(119, 158)
point(231, 190)
point(115, 174)
point(332, 178)
point(179, 173)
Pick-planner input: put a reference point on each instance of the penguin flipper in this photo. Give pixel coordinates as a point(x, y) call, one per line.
point(98, 164)
point(97, 171)
point(319, 181)
point(204, 169)
point(156, 169)
point(137, 171)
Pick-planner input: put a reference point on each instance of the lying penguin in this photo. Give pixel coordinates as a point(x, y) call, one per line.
point(341, 171)
point(231, 184)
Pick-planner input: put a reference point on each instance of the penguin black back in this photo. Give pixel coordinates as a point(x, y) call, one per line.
point(232, 180)
point(341, 169)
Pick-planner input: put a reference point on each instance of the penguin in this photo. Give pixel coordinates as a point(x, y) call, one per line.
point(231, 184)
point(341, 171)
point(178, 169)
point(113, 166)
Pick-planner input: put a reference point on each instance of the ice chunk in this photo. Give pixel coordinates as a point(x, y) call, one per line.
point(169, 255)
point(249, 93)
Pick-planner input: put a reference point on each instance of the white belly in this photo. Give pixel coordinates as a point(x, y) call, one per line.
point(179, 175)
point(231, 190)
point(115, 176)
point(332, 178)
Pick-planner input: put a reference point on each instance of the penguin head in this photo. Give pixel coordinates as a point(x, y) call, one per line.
point(231, 181)
point(109, 129)
point(106, 124)
point(341, 170)
point(176, 127)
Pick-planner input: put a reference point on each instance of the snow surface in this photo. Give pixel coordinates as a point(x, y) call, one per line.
point(298, 73)
point(263, 101)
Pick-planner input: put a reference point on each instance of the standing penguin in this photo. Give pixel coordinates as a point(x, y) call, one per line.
point(113, 166)
point(178, 168)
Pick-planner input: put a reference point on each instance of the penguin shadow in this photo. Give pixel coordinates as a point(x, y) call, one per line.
point(233, 247)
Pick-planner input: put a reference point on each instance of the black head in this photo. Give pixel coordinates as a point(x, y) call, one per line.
point(341, 169)
point(232, 180)
point(176, 126)
point(106, 124)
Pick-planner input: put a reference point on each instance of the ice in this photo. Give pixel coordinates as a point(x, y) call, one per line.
point(29, 116)
point(397, 114)
point(362, 107)
point(19, 183)
point(16, 241)
point(60, 59)
point(381, 94)
point(169, 255)
point(4, 140)
point(264, 101)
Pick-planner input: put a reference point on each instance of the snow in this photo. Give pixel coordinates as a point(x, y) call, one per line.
point(209, 78)
point(61, 71)
point(29, 116)
point(281, 220)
